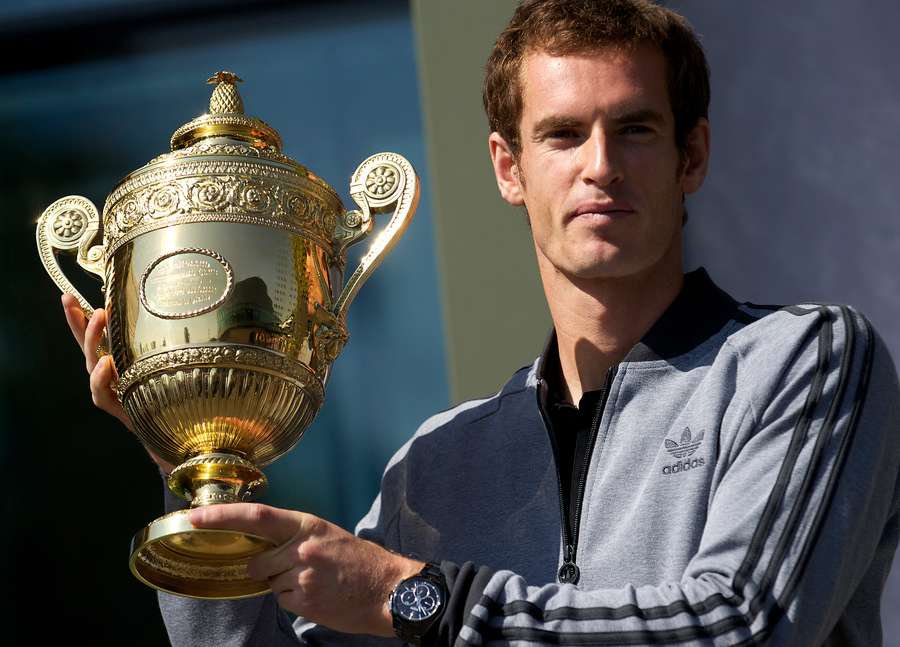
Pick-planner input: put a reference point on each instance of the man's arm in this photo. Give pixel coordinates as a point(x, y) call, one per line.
point(318, 571)
point(312, 573)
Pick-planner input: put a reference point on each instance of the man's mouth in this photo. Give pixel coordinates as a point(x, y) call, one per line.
point(600, 210)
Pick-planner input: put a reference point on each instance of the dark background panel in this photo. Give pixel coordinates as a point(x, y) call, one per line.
point(91, 90)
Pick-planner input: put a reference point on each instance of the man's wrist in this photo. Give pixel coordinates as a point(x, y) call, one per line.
point(418, 603)
point(401, 569)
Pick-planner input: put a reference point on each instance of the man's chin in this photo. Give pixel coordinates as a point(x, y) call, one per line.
point(595, 272)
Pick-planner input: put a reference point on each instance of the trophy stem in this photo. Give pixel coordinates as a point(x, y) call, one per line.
point(171, 555)
point(216, 477)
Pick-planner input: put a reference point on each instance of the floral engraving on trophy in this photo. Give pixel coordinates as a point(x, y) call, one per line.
point(329, 220)
point(352, 219)
point(252, 197)
point(381, 181)
point(216, 191)
point(209, 193)
point(68, 225)
point(298, 206)
point(163, 201)
point(186, 283)
point(128, 214)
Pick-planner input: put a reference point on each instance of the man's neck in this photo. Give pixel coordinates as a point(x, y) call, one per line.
point(598, 321)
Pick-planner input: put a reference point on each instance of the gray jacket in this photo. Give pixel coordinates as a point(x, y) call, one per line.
point(742, 489)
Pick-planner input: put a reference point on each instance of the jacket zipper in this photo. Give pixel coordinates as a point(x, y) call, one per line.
point(569, 573)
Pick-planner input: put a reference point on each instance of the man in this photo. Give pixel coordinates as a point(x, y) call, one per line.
point(675, 468)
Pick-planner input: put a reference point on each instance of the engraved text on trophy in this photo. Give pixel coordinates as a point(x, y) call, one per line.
point(186, 283)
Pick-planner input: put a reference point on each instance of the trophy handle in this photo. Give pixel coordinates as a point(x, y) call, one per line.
point(382, 180)
point(70, 224)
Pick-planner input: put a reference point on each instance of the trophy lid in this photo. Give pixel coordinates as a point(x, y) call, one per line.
point(224, 166)
point(226, 118)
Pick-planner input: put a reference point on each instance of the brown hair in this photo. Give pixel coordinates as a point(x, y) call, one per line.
point(561, 27)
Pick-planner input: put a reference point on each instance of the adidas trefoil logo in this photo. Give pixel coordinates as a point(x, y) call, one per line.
point(684, 449)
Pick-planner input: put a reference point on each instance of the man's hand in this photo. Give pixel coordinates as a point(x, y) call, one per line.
point(101, 370)
point(318, 571)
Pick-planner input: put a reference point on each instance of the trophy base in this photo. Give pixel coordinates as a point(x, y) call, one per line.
point(171, 555)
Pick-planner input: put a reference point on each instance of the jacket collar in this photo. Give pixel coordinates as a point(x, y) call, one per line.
point(699, 311)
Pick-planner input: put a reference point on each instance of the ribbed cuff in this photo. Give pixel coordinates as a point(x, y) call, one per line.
point(465, 586)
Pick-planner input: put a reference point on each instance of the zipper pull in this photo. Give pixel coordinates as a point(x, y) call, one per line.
point(569, 573)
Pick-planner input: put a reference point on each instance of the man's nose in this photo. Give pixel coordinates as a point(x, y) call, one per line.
point(599, 161)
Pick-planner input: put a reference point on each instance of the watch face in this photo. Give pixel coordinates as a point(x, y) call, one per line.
point(417, 599)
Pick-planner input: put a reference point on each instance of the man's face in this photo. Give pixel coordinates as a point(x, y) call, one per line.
point(598, 169)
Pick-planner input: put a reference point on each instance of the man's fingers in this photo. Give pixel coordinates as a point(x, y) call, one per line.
point(284, 582)
point(272, 523)
point(92, 335)
point(75, 318)
point(277, 561)
point(102, 378)
point(86, 333)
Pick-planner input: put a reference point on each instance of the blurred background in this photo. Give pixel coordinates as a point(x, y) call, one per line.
point(800, 205)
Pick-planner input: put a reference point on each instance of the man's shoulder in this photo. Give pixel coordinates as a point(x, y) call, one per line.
point(837, 336)
point(520, 385)
point(767, 326)
point(445, 429)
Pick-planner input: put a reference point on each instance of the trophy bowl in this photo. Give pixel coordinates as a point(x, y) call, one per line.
point(222, 265)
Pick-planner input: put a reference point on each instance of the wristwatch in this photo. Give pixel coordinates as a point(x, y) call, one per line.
point(417, 603)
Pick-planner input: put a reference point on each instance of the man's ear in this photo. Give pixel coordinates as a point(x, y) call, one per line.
point(506, 170)
point(696, 157)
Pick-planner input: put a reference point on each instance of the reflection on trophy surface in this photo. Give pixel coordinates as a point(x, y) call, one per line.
point(222, 263)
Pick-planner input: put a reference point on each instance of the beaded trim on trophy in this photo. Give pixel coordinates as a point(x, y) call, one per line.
point(232, 149)
point(180, 568)
point(236, 149)
point(225, 356)
point(227, 191)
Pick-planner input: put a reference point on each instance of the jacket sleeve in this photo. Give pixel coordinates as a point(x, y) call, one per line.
point(804, 518)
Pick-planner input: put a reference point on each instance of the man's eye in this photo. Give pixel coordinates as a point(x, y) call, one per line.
point(563, 133)
point(636, 129)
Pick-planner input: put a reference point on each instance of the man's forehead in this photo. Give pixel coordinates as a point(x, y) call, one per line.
point(625, 79)
point(620, 53)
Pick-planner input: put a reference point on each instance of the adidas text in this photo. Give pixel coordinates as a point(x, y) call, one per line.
point(683, 466)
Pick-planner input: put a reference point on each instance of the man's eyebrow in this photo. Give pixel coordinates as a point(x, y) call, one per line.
point(554, 122)
point(558, 122)
point(640, 115)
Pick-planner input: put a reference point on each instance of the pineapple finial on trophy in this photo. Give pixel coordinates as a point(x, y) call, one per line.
point(226, 118)
point(225, 97)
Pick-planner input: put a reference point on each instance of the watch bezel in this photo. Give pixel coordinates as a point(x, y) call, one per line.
point(402, 609)
point(408, 629)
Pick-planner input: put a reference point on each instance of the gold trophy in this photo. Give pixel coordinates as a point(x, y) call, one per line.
point(222, 263)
